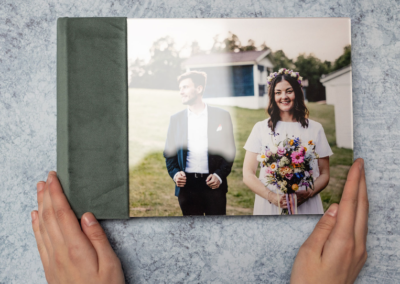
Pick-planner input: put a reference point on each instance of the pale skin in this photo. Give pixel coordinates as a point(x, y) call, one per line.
point(285, 99)
point(335, 251)
point(69, 253)
point(192, 96)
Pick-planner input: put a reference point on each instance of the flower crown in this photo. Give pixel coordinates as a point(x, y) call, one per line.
point(285, 71)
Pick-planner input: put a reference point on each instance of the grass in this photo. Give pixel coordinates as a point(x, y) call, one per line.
point(152, 189)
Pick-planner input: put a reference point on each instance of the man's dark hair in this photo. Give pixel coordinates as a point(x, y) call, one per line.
point(199, 78)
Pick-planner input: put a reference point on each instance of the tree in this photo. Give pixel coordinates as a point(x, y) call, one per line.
point(280, 60)
point(311, 68)
point(249, 47)
point(163, 68)
point(343, 60)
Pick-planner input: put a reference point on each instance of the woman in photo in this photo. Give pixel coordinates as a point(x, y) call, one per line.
point(288, 118)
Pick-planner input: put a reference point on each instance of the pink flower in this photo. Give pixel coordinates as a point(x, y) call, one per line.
point(289, 176)
point(268, 153)
point(301, 150)
point(281, 151)
point(297, 158)
point(310, 172)
point(269, 171)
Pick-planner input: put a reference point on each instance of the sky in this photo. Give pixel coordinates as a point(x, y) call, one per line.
point(324, 37)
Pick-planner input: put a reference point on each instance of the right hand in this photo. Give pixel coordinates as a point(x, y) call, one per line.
point(336, 251)
point(180, 179)
point(273, 198)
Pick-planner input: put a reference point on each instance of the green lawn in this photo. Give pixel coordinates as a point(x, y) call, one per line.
point(151, 188)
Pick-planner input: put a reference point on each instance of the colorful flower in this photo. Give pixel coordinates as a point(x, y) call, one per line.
point(281, 151)
point(295, 187)
point(289, 176)
point(310, 142)
point(268, 171)
point(297, 158)
point(274, 167)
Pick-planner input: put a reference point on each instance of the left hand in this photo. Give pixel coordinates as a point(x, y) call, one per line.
point(69, 253)
point(212, 181)
point(303, 195)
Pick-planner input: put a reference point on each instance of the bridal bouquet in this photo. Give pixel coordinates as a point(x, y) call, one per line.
point(287, 166)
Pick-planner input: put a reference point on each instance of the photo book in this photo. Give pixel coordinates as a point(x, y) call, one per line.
point(199, 117)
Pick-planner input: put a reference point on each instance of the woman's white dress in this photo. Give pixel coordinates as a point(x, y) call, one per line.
point(260, 137)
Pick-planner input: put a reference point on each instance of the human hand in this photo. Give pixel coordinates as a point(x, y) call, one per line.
point(302, 196)
point(212, 181)
point(275, 198)
point(335, 252)
point(180, 179)
point(69, 254)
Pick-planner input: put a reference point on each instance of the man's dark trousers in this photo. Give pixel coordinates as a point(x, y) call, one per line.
point(197, 198)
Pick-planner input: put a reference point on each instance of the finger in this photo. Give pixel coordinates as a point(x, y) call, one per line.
point(49, 216)
point(211, 182)
point(44, 257)
point(65, 217)
point(98, 238)
point(348, 203)
point(321, 232)
point(361, 227)
point(41, 187)
point(183, 173)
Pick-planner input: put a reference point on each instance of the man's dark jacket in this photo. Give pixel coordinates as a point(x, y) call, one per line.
point(221, 144)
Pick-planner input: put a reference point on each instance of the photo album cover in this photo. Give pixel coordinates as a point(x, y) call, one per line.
point(238, 116)
point(179, 117)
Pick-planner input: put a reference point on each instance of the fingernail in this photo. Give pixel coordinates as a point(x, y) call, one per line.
point(361, 165)
point(90, 220)
point(33, 215)
point(332, 211)
point(40, 186)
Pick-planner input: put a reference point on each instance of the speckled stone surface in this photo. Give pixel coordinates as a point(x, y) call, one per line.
point(193, 249)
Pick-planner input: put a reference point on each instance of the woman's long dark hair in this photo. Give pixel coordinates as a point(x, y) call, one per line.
point(300, 111)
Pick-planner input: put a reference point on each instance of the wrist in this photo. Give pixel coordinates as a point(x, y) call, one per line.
point(268, 196)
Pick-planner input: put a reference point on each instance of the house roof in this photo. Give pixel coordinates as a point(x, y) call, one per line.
point(327, 77)
point(225, 58)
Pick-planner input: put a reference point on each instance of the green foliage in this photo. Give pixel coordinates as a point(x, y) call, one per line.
point(280, 60)
point(344, 60)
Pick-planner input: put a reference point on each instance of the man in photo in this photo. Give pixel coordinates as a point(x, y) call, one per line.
point(199, 150)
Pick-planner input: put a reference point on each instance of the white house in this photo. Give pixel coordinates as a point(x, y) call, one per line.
point(339, 93)
point(234, 78)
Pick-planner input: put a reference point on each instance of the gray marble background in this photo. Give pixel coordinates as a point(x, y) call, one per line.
point(194, 250)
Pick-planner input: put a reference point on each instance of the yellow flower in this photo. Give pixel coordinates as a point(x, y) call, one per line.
point(295, 187)
point(305, 149)
point(310, 142)
point(291, 142)
point(262, 156)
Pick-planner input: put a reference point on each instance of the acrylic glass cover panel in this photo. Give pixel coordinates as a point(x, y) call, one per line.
point(199, 99)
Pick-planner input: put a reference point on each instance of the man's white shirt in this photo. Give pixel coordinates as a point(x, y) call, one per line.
point(197, 157)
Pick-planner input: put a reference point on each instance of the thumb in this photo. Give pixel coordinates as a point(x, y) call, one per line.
point(322, 230)
point(98, 238)
point(183, 173)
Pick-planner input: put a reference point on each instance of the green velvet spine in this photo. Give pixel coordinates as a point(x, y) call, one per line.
point(92, 115)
